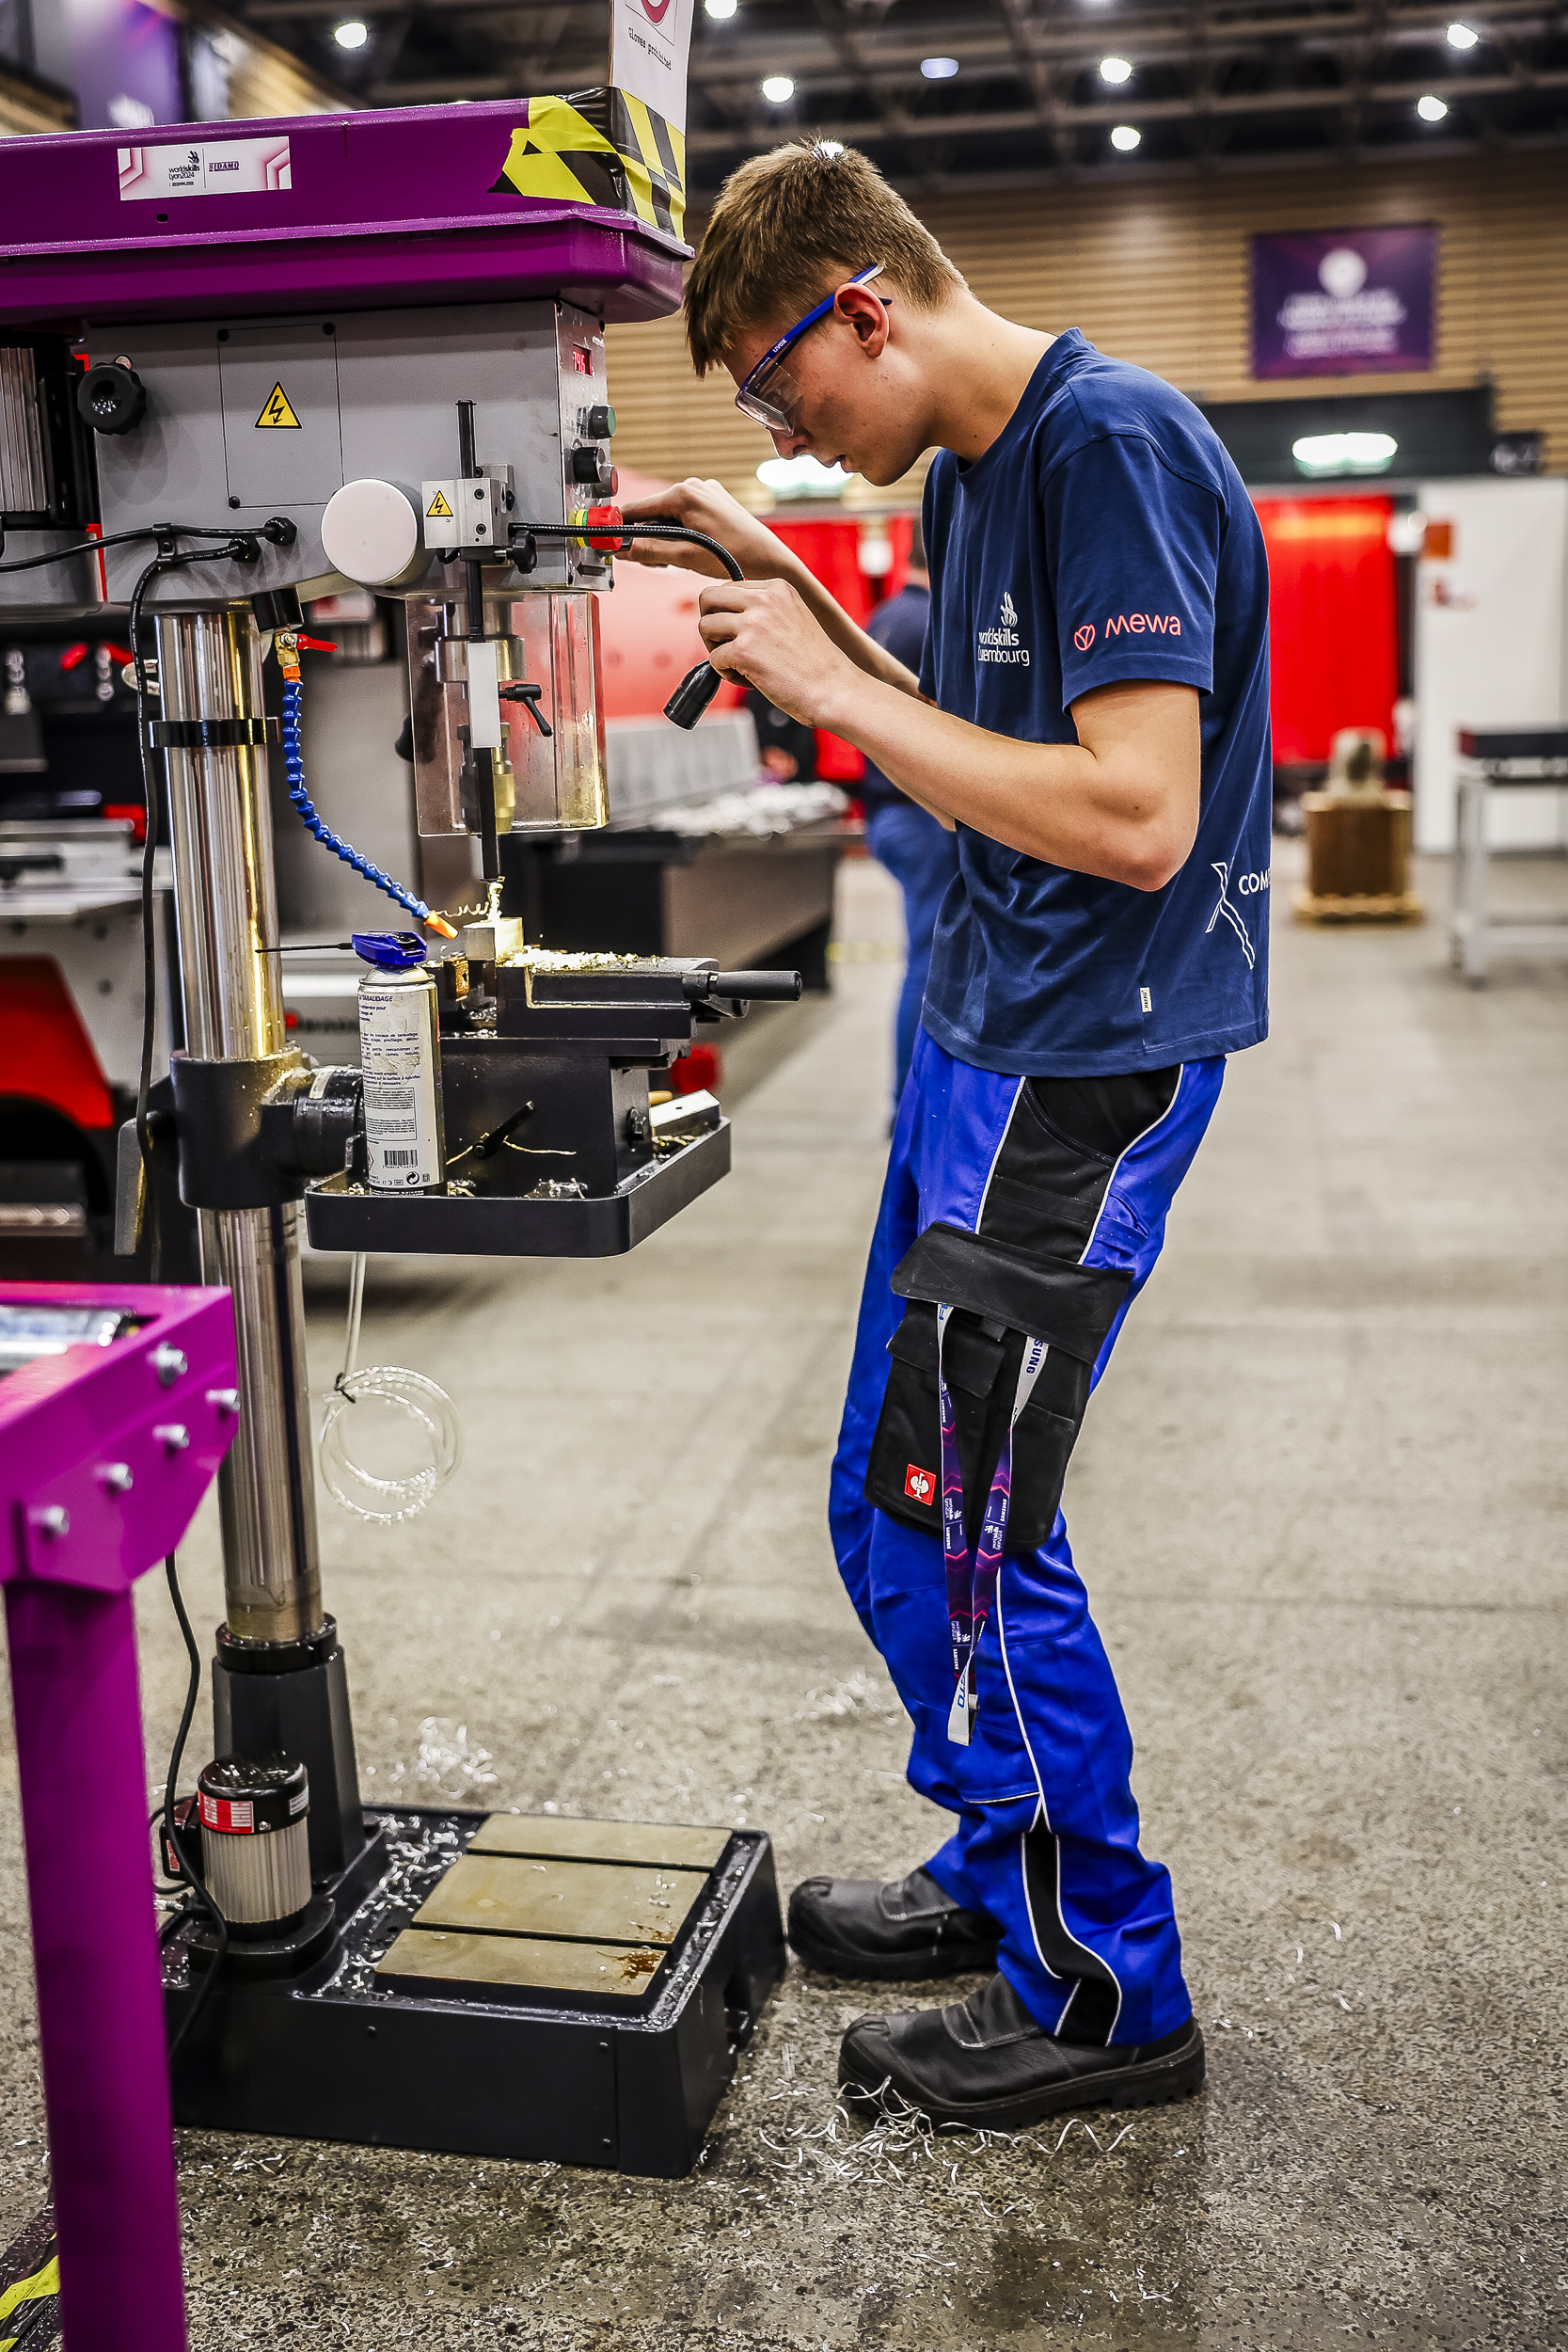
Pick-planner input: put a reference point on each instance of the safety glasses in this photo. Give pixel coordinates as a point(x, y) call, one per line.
point(771, 394)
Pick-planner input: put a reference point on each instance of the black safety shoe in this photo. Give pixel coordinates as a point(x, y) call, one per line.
point(906, 1928)
point(984, 2062)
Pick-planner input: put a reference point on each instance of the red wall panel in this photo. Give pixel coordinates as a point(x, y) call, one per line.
point(1334, 658)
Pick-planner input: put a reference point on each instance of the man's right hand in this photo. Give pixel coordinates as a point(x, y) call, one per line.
point(706, 506)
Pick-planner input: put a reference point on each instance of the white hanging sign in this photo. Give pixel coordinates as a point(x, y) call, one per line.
point(649, 42)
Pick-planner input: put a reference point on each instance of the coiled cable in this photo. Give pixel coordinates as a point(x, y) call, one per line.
point(383, 1502)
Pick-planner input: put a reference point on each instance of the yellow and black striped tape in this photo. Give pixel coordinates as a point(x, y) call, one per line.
point(653, 153)
point(636, 164)
point(30, 2289)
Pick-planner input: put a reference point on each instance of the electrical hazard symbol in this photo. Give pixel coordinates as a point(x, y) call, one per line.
point(438, 508)
point(919, 1485)
point(277, 412)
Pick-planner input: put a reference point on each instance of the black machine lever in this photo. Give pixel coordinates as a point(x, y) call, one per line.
point(765, 987)
point(528, 696)
point(694, 695)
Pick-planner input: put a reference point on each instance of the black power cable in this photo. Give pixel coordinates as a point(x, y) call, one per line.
point(277, 530)
point(172, 1829)
point(701, 683)
point(149, 851)
point(631, 531)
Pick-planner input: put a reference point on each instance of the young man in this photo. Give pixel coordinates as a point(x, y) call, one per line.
point(920, 853)
point(1092, 717)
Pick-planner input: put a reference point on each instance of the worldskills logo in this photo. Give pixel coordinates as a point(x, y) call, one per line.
point(1002, 642)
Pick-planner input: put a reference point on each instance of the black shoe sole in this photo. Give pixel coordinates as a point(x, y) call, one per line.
point(916, 1967)
point(1157, 2082)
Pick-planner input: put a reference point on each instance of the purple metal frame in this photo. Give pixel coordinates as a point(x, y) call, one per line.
point(72, 1545)
point(376, 211)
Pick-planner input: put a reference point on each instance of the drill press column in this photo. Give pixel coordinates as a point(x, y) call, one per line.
point(209, 670)
point(278, 1677)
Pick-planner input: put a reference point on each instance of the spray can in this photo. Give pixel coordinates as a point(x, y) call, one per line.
point(399, 1052)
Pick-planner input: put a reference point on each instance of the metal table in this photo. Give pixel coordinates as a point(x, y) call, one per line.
point(109, 1438)
point(1491, 760)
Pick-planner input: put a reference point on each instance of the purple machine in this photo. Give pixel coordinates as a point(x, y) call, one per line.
point(117, 1406)
point(268, 361)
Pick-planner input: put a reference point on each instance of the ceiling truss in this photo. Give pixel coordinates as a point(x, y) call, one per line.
point(1213, 85)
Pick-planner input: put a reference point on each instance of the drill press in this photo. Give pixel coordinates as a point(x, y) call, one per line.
point(351, 351)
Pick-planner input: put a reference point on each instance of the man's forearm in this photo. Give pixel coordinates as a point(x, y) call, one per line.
point(847, 635)
point(1058, 801)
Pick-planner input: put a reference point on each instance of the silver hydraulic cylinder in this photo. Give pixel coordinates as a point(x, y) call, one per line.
point(220, 818)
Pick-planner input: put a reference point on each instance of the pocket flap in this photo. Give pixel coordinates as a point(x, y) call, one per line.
point(1069, 1307)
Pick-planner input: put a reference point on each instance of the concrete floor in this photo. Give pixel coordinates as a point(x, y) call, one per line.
point(1315, 1503)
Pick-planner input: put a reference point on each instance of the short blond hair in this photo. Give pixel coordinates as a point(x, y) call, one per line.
point(788, 228)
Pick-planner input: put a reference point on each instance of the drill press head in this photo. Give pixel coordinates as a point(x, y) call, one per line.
point(359, 324)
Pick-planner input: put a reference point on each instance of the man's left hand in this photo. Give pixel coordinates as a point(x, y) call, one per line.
point(761, 630)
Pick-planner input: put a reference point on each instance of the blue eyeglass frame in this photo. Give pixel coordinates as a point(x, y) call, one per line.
point(775, 352)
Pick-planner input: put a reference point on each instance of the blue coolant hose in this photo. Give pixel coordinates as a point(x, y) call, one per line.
point(293, 761)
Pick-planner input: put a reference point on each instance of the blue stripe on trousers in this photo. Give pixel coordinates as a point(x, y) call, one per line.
point(1051, 1749)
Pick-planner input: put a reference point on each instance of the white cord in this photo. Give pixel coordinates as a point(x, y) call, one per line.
point(385, 1500)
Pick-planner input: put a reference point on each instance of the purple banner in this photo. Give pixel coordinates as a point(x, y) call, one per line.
point(120, 57)
point(1343, 301)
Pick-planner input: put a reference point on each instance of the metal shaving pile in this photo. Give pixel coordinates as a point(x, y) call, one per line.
point(574, 959)
point(447, 1763)
point(887, 2146)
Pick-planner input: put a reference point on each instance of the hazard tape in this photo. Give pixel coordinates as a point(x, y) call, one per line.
point(653, 153)
point(637, 164)
point(30, 2289)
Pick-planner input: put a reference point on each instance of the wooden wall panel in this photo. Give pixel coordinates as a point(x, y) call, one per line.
point(1156, 273)
point(24, 110)
point(266, 82)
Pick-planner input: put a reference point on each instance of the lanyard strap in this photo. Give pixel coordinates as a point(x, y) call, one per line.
point(972, 1581)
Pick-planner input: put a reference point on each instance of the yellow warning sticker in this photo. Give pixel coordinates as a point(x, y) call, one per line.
point(438, 508)
point(277, 412)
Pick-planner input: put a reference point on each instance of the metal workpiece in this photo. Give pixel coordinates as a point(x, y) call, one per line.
point(268, 1486)
point(220, 818)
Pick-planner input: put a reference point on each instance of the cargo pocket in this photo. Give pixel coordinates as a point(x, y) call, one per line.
point(904, 1474)
point(1000, 1296)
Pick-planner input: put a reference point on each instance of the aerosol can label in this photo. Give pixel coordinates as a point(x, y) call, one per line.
point(398, 1055)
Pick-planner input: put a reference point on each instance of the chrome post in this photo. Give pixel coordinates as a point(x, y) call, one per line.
point(220, 817)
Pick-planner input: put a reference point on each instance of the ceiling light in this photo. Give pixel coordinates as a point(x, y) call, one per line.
point(1124, 139)
point(1431, 109)
point(1115, 70)
point(801, 478)
point(1345, 452)
point(720, 7)
point(778, 89)
point(1460, 37)
point(350, 34)
point(939, 69)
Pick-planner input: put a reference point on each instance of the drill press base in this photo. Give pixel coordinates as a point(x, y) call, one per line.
point(499, 1985)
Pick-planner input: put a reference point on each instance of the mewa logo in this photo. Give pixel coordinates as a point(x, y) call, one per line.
point(1136, 624)
point(1130, 625)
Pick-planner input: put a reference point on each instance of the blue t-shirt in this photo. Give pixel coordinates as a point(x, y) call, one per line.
point(1104, 535)
point(898, 627)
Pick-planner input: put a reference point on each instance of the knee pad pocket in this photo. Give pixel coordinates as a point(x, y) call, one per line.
point(1000, 1296)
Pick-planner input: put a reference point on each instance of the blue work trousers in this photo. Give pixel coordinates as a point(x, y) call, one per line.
point(1047, 1828)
